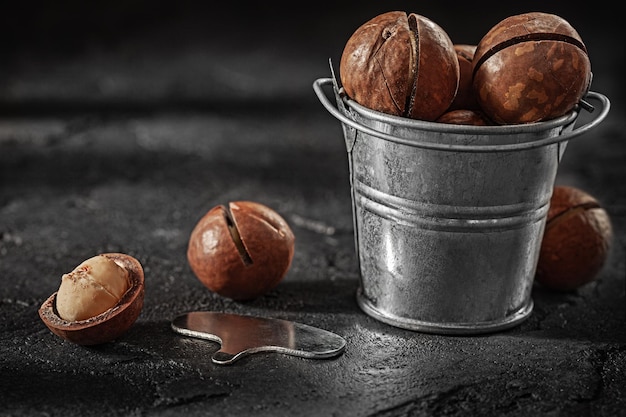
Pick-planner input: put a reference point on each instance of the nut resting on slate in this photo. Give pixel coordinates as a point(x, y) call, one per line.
point(401, 64)
point(576, 241)
point(98, 301)
point(242, 250)
point(529, 68)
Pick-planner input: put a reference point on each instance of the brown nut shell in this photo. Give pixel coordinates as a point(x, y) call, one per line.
point(576, 240)
point(465, 98)
point(530, 68)
point(242, 251)
point(464, 117)
point(399, 64)
point(109, 325)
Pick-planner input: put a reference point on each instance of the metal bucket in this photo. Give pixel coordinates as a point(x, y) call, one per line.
point(448, 219)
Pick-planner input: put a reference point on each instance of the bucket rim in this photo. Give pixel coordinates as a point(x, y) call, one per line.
point(351, 125)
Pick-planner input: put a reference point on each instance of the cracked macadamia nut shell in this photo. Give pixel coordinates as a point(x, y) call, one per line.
point(241, 251)
point(400, 64)
point(465, 98)
point(108, 325)
point(464, 117)
point(576, 241)
point(529, 68)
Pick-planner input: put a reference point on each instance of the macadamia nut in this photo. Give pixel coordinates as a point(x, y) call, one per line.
point(529, 68)
point(402, 64)
point(576, 241)
point(241, 251)
point(91, 288)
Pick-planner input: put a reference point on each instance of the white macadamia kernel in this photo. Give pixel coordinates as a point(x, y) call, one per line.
point(91, 288)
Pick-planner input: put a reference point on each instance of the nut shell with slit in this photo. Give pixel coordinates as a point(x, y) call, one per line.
point(529, 68)
point(576, 241)
point(401, 64)
point(241, 251)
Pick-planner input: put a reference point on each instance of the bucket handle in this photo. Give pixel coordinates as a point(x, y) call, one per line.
point(332, 109)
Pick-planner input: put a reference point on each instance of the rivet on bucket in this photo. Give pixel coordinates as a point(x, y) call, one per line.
point(448, 218)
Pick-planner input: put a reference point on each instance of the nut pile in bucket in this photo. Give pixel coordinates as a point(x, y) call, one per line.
point(527, 68)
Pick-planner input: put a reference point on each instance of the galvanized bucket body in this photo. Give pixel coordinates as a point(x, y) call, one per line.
point(448, 219)
point(448, 239)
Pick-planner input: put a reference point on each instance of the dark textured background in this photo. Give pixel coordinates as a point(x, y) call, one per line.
point(121, 123)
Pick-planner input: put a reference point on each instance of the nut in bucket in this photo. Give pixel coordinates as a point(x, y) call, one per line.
point(401, 64)
point(530, 67)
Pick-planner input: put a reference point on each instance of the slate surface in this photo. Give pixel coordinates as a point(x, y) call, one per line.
point(121, 124)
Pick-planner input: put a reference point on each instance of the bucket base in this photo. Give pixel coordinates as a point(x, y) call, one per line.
point(507, 322)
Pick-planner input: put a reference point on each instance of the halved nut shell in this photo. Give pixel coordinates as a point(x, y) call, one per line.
point(109, 325)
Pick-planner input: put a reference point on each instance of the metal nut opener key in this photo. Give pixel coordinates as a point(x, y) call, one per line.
point(241, 335)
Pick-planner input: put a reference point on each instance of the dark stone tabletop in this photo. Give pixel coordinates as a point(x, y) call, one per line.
point(122, 123)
